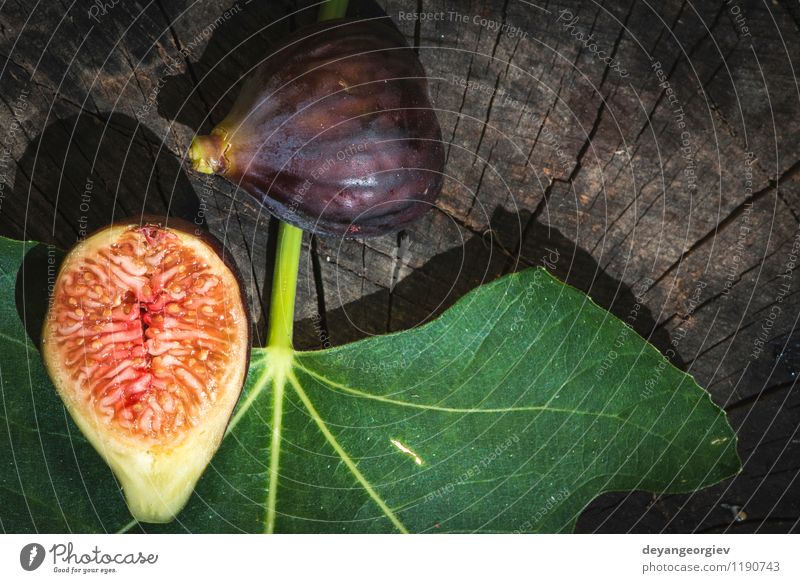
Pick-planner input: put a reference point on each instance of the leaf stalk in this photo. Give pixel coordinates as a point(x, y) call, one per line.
point(284, 286)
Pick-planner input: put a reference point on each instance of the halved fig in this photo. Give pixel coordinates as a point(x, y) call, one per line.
point(147, 341)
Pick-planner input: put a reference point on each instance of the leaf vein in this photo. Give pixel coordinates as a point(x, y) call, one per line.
point(348, 461)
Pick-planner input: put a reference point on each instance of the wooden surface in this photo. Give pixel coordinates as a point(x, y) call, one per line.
point(555, 157)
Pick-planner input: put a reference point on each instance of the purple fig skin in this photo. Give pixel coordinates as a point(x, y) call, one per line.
point(334, 133)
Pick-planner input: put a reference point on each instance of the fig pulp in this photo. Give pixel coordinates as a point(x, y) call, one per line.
point(147, 342)
point(334, 132)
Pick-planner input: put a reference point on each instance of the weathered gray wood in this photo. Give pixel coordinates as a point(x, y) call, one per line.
point(554, 157)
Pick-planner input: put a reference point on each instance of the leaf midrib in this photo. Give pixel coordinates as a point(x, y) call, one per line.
point(279, 375)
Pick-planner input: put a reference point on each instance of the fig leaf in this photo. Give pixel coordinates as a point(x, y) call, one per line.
point(510, 412)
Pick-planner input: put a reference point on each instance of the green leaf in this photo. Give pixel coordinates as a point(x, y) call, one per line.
point(510, 412)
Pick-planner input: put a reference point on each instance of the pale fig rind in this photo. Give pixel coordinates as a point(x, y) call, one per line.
point(156, 406)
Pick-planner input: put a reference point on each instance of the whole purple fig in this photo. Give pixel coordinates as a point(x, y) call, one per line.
point(334, 132)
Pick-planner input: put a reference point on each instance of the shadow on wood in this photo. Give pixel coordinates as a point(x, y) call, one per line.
point(429, 290)
point(87, 171)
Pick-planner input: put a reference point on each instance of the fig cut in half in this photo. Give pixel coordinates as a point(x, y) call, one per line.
point(147, 341)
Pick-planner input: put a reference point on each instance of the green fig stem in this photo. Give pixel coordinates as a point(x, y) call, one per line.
point(284, 286)
point(290, 239)
point(207, 153)
point(332, 9)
